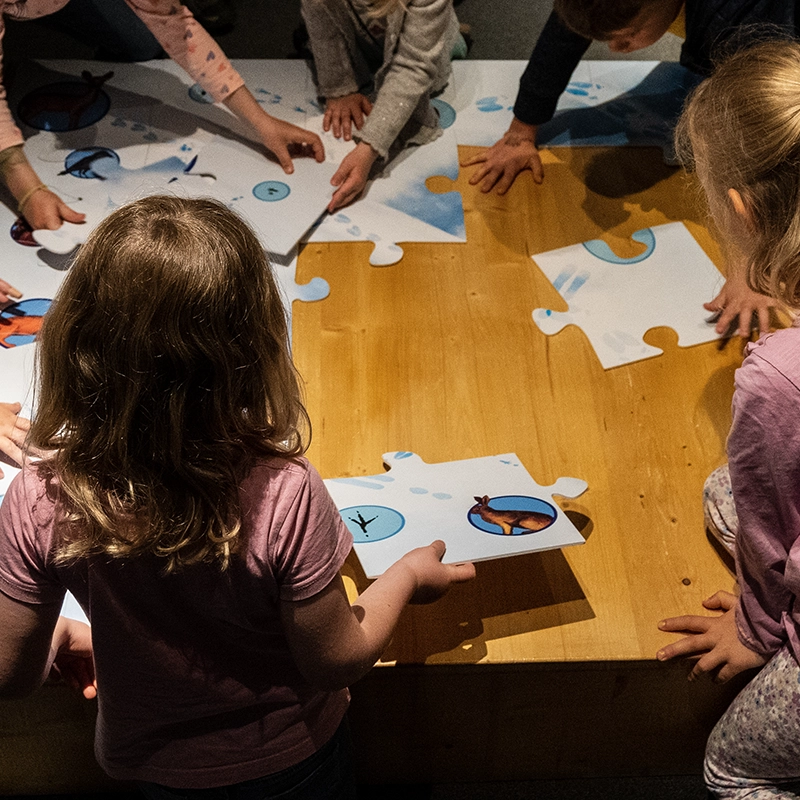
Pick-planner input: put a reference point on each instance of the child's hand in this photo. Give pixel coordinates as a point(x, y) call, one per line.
point(505, 159)
point(45, 210)
point(351, 177)
point(433, 579)
point(13, 430)
point(8, 294)
point(72, 662)
point(285, 140)
point(282, 139)
point(341, 113)
point(716, 637)
point(737, 299)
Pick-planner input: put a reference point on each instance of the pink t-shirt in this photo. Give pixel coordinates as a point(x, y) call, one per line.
point(764, 458)
point(196, 684)
point(173, 26)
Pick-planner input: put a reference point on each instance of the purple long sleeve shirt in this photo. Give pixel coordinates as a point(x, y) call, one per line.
point(764, 457)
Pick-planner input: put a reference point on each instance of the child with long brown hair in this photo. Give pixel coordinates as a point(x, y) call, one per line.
point(175, 504)
point(741, 128)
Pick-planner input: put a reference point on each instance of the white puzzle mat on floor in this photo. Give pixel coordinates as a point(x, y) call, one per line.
point(615, 300)
point(482, 508)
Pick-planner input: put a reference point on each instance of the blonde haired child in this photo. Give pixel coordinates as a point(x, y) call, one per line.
point(378, 62)
point(176, 506)
point(742, 129)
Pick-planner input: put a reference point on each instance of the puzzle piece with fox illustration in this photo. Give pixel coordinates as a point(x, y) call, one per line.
point(482, 508)
point(615, 300)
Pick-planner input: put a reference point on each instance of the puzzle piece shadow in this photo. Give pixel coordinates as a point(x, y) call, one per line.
point(161, 85)
point(646, 114)
point(508, 596)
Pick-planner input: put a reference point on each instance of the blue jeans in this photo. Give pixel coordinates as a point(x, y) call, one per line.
point(327, 775)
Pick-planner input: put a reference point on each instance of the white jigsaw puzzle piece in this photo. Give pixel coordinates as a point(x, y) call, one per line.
point(415, 502)
point(615, 301)
point(398, 207)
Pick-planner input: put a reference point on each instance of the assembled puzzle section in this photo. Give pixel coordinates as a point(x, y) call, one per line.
point(615, 300)
point(106, 137)
point(482, 508)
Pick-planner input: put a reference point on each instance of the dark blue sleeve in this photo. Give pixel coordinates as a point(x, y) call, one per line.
point(555, 56)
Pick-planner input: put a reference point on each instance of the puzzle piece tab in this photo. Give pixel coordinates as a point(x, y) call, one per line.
point(482, 508)
point(615, 301)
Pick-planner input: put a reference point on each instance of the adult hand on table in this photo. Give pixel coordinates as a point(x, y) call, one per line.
point(716, 638)
point(505, 159)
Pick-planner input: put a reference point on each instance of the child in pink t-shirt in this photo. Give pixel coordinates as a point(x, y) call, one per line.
point(741, 128)
point(174, 503)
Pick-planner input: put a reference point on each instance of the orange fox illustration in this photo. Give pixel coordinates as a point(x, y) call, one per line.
point(509, 519)
point(21, 325)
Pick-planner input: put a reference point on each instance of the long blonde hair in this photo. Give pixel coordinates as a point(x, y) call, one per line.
point(741, 128)
point(163, 374)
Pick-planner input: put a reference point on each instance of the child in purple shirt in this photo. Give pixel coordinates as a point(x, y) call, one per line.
point(173, 501)
point(742, 130)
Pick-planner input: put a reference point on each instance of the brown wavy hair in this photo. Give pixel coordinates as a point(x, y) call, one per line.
point(163, 374)
point(741, 130)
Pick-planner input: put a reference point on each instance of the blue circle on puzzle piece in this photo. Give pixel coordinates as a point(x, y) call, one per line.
point(447, 114)
point(33, 307)
point(512, 508)
point(87, 162)
point(199, 94)
point(64, 106)
point(372, 523)
point(599, 249)
point(271, 191)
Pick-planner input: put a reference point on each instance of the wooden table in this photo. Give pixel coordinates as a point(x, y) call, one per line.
point(438, 354)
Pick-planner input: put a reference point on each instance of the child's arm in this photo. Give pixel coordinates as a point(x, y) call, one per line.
point(25, 645)
point(335, 644)
point(555, 56)
point(716, 638)
point(37, 640)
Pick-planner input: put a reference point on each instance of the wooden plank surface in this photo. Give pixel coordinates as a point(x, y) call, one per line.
point(438, 354)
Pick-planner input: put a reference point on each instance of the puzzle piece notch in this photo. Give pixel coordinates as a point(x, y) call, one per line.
point(616, 301)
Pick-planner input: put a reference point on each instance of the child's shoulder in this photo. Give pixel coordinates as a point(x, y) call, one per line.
point(774, 352)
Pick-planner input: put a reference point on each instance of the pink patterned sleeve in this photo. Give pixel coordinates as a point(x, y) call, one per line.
point(188, 44)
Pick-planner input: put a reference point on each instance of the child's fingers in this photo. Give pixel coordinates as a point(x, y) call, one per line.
point(689, 623)
point(506, 180)
point(8, 292)
point(439, 548)
point(720, 601)
point(708, 663)
point(763, 321)
point(688, 646)
point(461, 573)
point(70, 215)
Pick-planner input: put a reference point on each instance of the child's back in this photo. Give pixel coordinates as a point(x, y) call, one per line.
point(176, 506)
